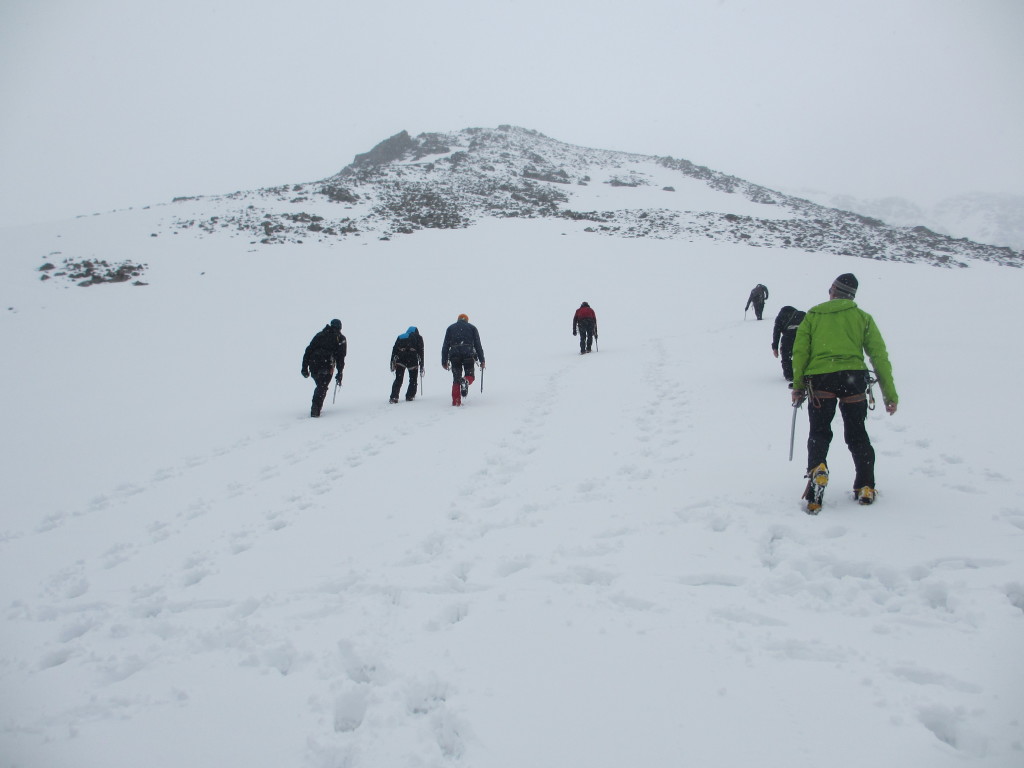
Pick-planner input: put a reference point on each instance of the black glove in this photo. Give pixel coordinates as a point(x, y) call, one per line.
point(338, 377)
point(422, 371)
point(305, 373)
point(573, 331)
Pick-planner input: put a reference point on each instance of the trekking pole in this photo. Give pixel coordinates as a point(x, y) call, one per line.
point(481, 379)
point(335, 395)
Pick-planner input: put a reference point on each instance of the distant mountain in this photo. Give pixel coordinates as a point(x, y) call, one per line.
point(984, 218)
point(452, 180)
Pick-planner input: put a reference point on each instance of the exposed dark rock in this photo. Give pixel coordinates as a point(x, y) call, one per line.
point(339, 194)
point(387, 151)
point(95, 271)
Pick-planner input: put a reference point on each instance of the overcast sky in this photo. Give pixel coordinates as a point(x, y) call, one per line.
point(110, 104)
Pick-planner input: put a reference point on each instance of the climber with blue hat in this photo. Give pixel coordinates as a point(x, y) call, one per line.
point(407, 353)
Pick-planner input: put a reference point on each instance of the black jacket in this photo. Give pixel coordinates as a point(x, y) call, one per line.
point(786, 323)
point(759, 295)
point(462, 339)
point(408, 349)
point(325, 351)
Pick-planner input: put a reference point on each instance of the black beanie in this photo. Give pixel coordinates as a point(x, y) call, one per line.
point(845, 286)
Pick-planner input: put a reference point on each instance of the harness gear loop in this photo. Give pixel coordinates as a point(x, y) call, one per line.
point(872, 379)
point(817, 395)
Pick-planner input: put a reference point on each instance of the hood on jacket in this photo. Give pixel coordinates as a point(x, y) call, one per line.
point(834, 305)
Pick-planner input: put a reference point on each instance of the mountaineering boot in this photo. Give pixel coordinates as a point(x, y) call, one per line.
point(395, 399)
point(410, 398)
point(456, 394)
point(815, 490)
point(864, 495)
point(464, 386)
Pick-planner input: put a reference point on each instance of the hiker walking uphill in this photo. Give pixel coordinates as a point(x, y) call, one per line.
point(407, 353)
point(758, 296)
point(325, 353)
point(783, 335)
point(585, 321)
point(460, 349)
point(828, 357)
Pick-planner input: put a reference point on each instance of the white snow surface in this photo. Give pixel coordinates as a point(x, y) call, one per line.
point(599, 561)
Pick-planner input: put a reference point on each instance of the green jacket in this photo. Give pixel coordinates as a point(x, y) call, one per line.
point(833, 337)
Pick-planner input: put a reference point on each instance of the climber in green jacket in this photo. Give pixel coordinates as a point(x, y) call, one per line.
point(828, 354)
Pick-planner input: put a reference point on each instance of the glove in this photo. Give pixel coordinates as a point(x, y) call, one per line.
point(338, 377)
point(422, 371)
point(482, 365)
point(595, 335)
point(305, 373)
point(573, 331)
point(392, 366)
point(445, 366)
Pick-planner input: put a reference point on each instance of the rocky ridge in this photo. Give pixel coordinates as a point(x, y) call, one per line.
point(997, 219)
point(453, 180)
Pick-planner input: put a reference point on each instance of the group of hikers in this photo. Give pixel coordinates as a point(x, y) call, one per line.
point(822, 354)
point(821, 350)
point(461, 350)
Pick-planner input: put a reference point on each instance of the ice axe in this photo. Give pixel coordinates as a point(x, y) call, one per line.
point(792, 429)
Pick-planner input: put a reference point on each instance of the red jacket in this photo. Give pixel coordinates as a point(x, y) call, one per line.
point(584, 316)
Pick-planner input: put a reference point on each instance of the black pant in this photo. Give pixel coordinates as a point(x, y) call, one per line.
point(462, 367)
point(822, 410)
point(786, 353)
point(323, 381)
point(410, 393)
point(586, 331)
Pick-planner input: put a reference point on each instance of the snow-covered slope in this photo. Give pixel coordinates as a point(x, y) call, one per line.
point(599, 561)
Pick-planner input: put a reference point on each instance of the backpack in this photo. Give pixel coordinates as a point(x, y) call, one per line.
point(407, 350)
point(322, 349)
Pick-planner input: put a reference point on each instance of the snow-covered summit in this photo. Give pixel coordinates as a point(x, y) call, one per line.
point(456, 179)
